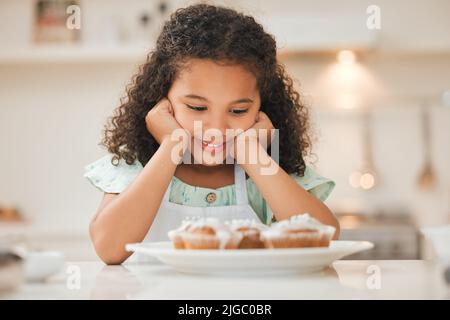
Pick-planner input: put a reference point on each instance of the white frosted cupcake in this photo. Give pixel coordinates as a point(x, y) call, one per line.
point(299, 231)
point(176, 235)
point(250, 231)
point(210, 233)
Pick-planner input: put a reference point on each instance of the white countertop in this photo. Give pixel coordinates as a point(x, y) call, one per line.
point(346, 279)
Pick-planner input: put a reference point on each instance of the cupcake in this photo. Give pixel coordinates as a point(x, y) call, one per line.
point(210, 233)
point(300, 231)
point(176, 235)
point(250, 231)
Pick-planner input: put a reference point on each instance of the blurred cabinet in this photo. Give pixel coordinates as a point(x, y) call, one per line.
point(390, 242)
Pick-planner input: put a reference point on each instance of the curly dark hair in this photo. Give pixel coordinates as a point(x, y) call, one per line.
point(222, 35)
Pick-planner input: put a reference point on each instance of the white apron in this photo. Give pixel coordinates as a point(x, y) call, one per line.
point(170, 215)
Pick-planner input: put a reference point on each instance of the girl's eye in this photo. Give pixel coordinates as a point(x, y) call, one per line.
point(239, 111)
point(196, 108)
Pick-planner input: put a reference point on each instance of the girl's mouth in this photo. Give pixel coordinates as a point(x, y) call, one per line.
point(212, 147)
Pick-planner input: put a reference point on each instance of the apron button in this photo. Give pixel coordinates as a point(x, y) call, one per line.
point(211, 197)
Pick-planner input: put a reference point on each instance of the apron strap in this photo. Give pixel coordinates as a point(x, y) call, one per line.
point(240, 184)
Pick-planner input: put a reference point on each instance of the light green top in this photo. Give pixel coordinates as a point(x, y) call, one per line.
point(114, 179)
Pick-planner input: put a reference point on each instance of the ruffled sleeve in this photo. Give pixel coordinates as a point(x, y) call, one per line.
point(312, 182)
point(111, 178)
point(315, 184)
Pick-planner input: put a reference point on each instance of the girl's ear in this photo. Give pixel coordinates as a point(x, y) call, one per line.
point(257, 116)
point(170, 106)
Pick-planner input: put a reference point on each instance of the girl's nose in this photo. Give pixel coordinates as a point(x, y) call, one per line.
point(217, 124)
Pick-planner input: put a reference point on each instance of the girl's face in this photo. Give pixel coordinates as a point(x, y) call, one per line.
point(221, 97)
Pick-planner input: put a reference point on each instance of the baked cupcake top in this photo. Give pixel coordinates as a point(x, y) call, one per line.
point(211, 227)
point(298, 223)
point(185, 224)
point(304, 221)
point(246, 225)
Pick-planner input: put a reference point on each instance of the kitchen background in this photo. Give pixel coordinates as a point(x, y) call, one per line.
point(379, 99)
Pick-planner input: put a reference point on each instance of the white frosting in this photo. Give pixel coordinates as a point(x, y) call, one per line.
point(214, 223)
point(223, 232)
point(185, 224)
point(297, 222)
point(305, 221)
point(246, 223)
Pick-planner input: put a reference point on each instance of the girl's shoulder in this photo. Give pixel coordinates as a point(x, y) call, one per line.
point(315, 183)
point(111, 177)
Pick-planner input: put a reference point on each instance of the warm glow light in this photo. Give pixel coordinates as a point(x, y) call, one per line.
point(354, 179)
point(349, 222)
point(347, 101)
point(367, 181)
point(358, 179)
point(347, 83)
point(346, 57)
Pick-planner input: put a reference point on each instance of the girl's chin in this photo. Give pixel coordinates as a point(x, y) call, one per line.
point(211, 164)
point(211, 161)
point(207, 159)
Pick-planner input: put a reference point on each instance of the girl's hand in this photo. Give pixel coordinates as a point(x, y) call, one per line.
point(160, 121)
point(262, 126)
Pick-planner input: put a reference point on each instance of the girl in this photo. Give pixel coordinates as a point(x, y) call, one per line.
point(216, 66)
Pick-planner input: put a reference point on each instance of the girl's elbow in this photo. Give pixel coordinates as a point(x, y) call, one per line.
point(337, 226)
point(333, 221)
point(112, 261)
point(110, 256)
point(104, 248)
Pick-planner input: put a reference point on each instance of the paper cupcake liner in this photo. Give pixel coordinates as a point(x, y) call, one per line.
point(176, 238)
point(251, 241)
point(319, 238)
point(203, 241)
point(178, 242)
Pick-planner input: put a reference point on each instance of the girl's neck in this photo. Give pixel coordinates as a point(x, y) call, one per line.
point(213, 177)
point(202, 169)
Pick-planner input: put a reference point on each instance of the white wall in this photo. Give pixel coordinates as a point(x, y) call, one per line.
point(51, 118)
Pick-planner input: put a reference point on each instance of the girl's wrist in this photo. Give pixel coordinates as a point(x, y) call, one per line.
point(175, 148)
point(254, 154)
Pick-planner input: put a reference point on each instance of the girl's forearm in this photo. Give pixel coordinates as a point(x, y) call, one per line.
point(284, 195)
point(128, 217)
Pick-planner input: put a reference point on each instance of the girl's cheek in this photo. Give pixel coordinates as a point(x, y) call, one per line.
point(185, 121)
point(245, 123)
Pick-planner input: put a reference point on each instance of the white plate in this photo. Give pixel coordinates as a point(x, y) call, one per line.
point(249, 261)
